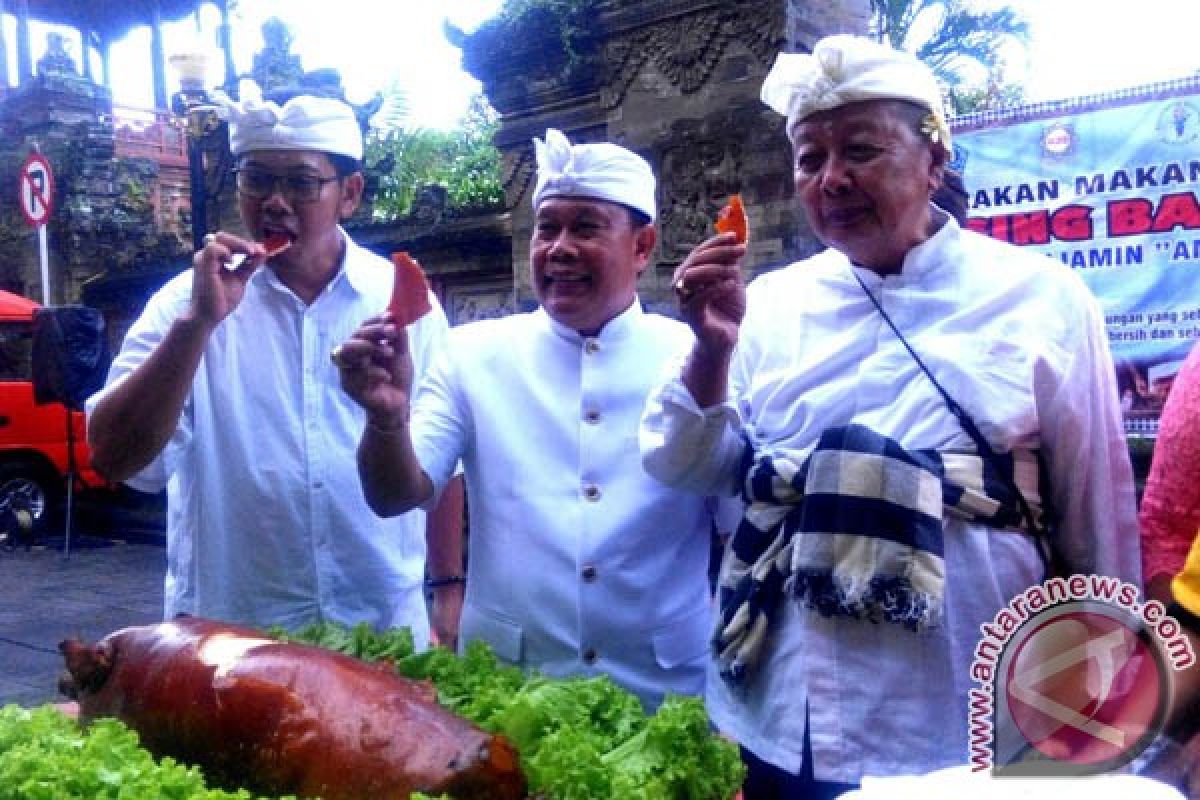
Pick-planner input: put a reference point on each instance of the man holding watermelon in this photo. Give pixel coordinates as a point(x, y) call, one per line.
point(580, 563)
point(224, 393)
point(904, 413)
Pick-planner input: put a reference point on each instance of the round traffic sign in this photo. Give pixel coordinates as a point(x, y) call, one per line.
point(37, 189)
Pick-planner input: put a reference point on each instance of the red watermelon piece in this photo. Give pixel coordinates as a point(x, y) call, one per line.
point(276, 243)
point(410, 292)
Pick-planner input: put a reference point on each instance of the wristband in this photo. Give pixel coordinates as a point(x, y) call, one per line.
point(445, 580)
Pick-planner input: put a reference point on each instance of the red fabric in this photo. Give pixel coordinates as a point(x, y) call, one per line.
point(1170, 512)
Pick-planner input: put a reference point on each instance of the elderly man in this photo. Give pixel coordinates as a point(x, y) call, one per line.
point(579, 562)
point(224, 392)
point(910, 365)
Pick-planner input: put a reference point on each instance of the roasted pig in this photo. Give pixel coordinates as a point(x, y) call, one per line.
point(280, 718)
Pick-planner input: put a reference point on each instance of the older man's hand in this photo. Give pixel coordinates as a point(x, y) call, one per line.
point(376, 369)
point(711, 292)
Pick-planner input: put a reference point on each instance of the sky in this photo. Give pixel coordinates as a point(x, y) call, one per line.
point(1083, 47)
point(1077, 47)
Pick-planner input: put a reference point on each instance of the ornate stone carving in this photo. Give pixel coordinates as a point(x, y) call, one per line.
point(698, 43)
point(518, 170)
point(57, 58)
point(758, 29)
point(429, 204)
point(701, 165)
point(276, 66)
point(471, 303)
point(687, 48)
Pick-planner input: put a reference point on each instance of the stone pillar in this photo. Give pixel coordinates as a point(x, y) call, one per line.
point(85, 38)
point(225, 35)
point(3, 51)
point(810, 20)
point(158, 59)
point(106, 63)
point(24, 51)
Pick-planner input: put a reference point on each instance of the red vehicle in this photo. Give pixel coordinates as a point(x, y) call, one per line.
point(33, 438)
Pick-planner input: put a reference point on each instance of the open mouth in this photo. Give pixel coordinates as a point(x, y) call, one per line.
point(276, 242)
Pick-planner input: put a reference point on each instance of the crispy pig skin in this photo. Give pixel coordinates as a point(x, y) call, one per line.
point(280, 718)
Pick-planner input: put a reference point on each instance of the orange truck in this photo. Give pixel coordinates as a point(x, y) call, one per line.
point(34, 459)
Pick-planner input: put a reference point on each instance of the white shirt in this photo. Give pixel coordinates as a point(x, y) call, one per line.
point(266, 520)
point(1016, 339)
point(580, 562)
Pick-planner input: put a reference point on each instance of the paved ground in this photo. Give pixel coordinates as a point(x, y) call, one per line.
point(102, 585)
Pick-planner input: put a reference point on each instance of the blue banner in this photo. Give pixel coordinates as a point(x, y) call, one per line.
point(1111, 187)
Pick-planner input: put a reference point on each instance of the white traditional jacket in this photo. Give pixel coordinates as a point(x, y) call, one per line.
point(580, 562)
point(1019, 342)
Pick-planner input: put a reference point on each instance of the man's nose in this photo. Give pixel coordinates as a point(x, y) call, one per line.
point(834, 176)
point(561, 246)
point(277, 196)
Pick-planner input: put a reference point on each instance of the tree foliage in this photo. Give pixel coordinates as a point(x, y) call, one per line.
point(958, 43)
point(463, 161)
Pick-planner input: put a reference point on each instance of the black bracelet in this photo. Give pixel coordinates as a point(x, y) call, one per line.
point(445, 580)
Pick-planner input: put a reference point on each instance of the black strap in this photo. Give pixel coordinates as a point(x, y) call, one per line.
point(1040, 530)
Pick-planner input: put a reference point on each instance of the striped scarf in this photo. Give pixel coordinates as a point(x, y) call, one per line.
point(856, 531)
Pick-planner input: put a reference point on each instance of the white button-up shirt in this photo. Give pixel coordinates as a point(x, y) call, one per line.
point(580, 562)
point(1017, 340)
point(266, 520)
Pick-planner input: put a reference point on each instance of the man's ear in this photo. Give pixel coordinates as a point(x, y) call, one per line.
point(351, 188)
point(937, 165)
point(643, 245)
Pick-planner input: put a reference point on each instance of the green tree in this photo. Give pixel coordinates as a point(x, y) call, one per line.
point(957, 43)
point(463, 161)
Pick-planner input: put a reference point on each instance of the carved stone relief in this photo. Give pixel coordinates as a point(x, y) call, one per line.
point(518, 168)
point(687, 49)
point(469, 303)
point(700, 166)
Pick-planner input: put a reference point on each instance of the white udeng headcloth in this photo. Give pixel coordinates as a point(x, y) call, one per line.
point(602, 171)
point(302, 123)
point(849, 69)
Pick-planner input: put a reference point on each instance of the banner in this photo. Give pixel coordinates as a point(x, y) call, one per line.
point(1110, 186)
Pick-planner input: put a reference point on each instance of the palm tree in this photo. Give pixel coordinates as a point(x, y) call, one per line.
point(954, 41)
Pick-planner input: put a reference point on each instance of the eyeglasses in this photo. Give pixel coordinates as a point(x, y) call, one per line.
point(260, 184)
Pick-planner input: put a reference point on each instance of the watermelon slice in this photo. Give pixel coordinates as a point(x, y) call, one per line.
point(410, 292)
point(732, 219)
point(276, 243)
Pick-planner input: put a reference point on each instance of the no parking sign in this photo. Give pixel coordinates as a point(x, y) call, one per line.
point(36, 194)
point(37, 189)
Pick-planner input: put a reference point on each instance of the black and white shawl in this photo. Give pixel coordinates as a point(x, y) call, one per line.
point(855, 530)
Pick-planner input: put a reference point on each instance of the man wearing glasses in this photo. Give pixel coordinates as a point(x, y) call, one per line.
point(224, 393)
